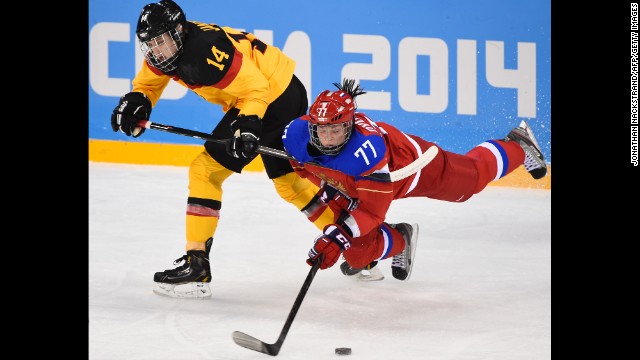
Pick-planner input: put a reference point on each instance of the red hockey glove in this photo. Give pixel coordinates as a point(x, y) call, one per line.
point(332, 243)
point(326, 195)
point(329, 193)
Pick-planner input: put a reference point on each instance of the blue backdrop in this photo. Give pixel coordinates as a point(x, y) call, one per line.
point(453, 72)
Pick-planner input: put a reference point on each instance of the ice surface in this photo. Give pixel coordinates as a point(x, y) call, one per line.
point(480, 288)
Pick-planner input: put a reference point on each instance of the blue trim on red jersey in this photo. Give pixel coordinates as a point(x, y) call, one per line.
point(385, 229)
point(503, 154)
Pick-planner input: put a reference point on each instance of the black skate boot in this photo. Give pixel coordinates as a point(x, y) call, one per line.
point(403, 262)
point(534, 161)
point(368, 273)
point(189, 280)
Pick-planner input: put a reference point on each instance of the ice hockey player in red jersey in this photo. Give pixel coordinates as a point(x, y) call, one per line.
point(350, 157)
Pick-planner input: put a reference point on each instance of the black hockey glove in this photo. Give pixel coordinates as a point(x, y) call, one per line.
point(132, 108)
point(246, 131)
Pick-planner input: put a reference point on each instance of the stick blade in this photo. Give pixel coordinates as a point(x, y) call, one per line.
point(419, 163)
point(251, 343)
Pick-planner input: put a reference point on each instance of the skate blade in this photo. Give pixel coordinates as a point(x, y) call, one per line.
point(414, 246)
point(525, 126)
point(195, 290)
point(373, 274)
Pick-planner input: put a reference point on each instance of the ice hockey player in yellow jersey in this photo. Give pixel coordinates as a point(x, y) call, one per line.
point(259, 93)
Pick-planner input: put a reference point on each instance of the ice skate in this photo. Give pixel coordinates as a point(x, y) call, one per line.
point(368, 273)
point(534, 161)
point(403, 262)
point(189, 280)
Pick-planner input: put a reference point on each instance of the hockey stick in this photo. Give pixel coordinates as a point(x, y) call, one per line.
point(252, 343)
point(204, 136)
point(422, 161)
point(417, 164)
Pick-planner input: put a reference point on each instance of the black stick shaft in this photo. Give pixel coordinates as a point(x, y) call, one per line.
point(254, 344)
point(207, 137)
point(298, 302)
point(397, 175)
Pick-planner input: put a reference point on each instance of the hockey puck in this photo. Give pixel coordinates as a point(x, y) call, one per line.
point(343, 351)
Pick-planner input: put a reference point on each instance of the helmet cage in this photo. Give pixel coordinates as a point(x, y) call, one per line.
point(161, 31)
point(164, 50)
point(341, 129)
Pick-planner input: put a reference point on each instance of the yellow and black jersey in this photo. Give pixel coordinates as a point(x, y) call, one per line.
point(226, 67)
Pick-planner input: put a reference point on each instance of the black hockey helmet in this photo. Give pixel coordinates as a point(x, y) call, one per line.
point(159, 24)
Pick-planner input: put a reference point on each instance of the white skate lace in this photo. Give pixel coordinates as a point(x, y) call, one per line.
point(530, 162)
point(400, 260)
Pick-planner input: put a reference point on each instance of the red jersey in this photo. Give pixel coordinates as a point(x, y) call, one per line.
point(361, 170)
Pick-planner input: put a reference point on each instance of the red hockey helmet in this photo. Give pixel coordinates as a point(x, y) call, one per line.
point(331, 114)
